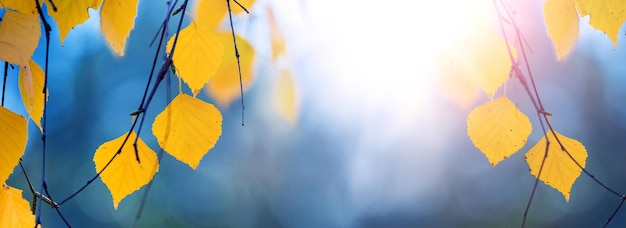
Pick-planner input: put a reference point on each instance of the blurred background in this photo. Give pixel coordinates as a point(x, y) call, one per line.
point(377, 138)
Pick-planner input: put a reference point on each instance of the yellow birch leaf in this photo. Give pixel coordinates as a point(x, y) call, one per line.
point(285, 97)
point(19, 37)
point(13, 136)
point(197, 57)
point(209, 13)
point(31, 80)
point(561, 22)
point(21, 6)
point(559, 171)
point(188, 128)
point(71, 13)
point(498, 128)
point(277, 37)
point(606, 16)
point(125, 175)
point(224, 86)
point(14, 209)
point(117, 19)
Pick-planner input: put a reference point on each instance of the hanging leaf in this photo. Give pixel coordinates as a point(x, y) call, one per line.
point(19, 37)
point(188, 128)
point(224, 86)
point(70, 13)
point(210, 13)
point(559, 171)
point(561, 21)
point(125, 175)
point(197, 57)
point(498, 128)
point(14, 209)
point(13, 137)
point(276, 36)
point(606, 16)
point(31, 80)
point(117, 19)
point(286, 100)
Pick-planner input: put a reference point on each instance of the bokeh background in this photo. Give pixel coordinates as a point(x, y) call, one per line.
point(380, 139)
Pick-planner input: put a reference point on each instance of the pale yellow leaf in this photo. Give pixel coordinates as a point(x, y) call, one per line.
point(31, 80)
point(498, 128)
point(197, 57)
point(277, 37)
point(71, 13)
point(125, 175)
point(209, 13)
point(19, 37)
point(606, 16)
point(224, 86)
point(14, 209)
point(561, 21)
point(559, 171)
point(117, 19)
point(455, 84)
point(188, 128)
point(286, 100)
point(22, 6)
point(13, 136)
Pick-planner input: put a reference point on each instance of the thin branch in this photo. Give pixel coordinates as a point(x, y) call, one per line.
point(244, 8)
point(615, 211)
point(232, 30)
point(4, 81)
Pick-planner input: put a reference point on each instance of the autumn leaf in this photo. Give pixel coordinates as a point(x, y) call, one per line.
point(19, 37)
point(188, 128)
point(31, 80)
point(13, 137)
point(22, 6)
point(197, 57)
point(125, 175)
point(286, 101)
point(71, 13)
point(561, 21)
point(277, 37)
point(209, 13)
point(480, 54)
point(14, 209)
point(606, 16)
point(498, 128)
point(559, 171)
point(117, 19)
point(224, 86)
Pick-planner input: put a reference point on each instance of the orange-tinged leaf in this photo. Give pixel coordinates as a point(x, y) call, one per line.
point(13, 136)
point(559, 171)
point(19, 37)
point(224, 86)
point(71, 13)
point(277, 37)
point(561, 21)
point(188, 128)
point(209, 13)
point(117, 19)
point(20, 6)
point(125, 175)
point(285, 97)
point(498, 128)
point(14, 209)
point(31, 80)
point(197, 57)
point(606, 16)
